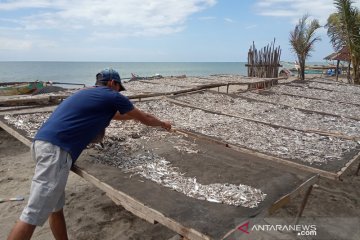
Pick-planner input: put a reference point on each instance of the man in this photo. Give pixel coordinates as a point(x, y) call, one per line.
point(60, 141)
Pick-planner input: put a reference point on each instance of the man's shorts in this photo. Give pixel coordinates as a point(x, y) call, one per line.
point(47, 192)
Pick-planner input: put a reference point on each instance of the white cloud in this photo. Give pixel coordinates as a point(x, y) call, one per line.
point(121, 17)
point(14, 44)
point(251, 26)
point(206, 18)
point(295, 9)
point(228, 20)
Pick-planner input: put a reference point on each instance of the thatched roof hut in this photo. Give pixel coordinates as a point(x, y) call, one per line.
point(342, 55)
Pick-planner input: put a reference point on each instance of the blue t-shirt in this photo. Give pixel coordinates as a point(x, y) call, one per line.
point(81, 117)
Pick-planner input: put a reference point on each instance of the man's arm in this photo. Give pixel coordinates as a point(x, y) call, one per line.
point(143, 117)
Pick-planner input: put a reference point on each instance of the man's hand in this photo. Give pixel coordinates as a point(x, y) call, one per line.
point(166, 125)
point(144, 118)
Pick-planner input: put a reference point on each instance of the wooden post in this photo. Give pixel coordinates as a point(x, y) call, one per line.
point(357, 171)
point(303, 204)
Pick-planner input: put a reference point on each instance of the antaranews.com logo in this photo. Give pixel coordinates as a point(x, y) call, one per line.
point(303, 230)
point(315, 228)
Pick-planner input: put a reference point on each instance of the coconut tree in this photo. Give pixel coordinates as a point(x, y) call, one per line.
point(344, 31)
point(302, 41)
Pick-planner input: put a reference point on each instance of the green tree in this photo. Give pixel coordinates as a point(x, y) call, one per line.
point(302, 41)
point(344, 30)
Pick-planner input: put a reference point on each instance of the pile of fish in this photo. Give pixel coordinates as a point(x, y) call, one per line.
point(341, 109)
point(345, 88)
point(272, 113)
point(29, 123)
point(138, 87)
point(185, 82)
point(318, 93)
point(284, 143)
point(198, 81)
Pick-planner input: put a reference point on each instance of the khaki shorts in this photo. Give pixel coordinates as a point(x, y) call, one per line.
point(47, 192)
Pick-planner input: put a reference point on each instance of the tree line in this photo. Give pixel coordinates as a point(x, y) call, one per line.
point(343, 28)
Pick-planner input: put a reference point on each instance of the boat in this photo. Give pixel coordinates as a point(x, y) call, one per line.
point(137, 77)
point(7, 89)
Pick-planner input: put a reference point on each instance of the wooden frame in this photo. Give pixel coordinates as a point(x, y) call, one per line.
point(152, 215)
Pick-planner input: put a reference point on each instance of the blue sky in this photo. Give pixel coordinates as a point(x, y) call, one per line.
point(153, 30)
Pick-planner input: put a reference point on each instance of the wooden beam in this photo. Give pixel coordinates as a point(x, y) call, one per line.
point(29, 110)
point(348, 165)
point(41, 100)
point(14, 133)
point(287, 198)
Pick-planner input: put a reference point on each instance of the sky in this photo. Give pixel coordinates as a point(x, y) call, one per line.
point(154, 30)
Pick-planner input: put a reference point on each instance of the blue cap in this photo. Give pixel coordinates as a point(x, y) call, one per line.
point(109, 74)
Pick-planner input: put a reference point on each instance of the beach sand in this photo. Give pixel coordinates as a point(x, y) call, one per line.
point(90, 214)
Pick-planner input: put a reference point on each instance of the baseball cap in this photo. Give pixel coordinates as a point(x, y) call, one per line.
point(109, 74)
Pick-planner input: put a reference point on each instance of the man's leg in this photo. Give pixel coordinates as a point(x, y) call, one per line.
point(21, 231)
point(58, 225)
point(47, 188)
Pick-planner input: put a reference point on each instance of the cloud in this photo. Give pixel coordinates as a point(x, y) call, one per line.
point(295, 9)
point(228, 20)
point(251, 26)
point(14, 44)
point(118, 17)
point(206, 18)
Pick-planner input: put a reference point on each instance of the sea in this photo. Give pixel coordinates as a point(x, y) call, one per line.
point(85, 72)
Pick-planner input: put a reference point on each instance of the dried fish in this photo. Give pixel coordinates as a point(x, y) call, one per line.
point(305, 147)
point(318, 93)
point(341, 109)
point(157, 169)
point(139, 87)
point(29, 123)
point(333, 85)
point(273, 113)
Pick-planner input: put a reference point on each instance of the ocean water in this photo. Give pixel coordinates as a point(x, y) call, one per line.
point(85, 72)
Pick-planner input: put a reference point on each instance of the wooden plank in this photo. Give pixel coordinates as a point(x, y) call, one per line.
point(348, 165)
point(287, 198)
point(148, 95)
point(14, 133)
point(29, 110)
point(42, 100)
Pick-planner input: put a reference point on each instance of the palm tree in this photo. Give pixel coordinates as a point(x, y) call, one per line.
point(344, 31)
point(302, 41)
